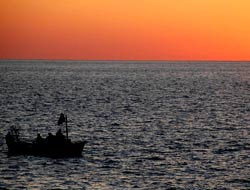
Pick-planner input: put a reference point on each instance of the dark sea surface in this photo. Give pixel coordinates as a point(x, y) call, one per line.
point(149, 125)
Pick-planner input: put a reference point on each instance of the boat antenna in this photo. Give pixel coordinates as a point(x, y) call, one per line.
point(66, 123)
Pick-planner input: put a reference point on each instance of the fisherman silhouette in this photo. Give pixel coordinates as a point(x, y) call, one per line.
point(59, 133)
point(50, 138)
point(61, 119)
point(9, 138)
point(59, 136)
point(39, 139)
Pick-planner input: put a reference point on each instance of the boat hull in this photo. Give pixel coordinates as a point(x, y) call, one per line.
point(67, 149)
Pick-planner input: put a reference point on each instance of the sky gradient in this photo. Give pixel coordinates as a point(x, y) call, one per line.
point(125, 29)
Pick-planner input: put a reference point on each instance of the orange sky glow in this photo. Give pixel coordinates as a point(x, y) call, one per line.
point(125, 29)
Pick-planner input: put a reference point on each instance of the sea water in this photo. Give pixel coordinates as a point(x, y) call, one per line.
point(149, 125)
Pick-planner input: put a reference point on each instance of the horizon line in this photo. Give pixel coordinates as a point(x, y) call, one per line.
point(137, 60)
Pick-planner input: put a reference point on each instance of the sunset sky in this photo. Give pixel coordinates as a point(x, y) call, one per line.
point(125, 29)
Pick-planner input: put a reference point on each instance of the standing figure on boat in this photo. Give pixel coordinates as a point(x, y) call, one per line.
point(63, 119)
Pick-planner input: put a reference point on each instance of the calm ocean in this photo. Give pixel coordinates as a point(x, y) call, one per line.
point(149, 125)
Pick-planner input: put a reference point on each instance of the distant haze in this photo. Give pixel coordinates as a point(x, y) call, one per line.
point(125, 29)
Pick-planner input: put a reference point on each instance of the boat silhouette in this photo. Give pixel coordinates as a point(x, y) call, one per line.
point(56, 146)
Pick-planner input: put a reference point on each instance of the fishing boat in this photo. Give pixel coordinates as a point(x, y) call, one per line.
point(56, 146)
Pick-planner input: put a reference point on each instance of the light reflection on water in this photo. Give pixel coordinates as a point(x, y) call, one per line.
point(148, 125)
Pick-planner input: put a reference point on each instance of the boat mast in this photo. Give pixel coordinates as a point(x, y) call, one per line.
point(66, 121)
